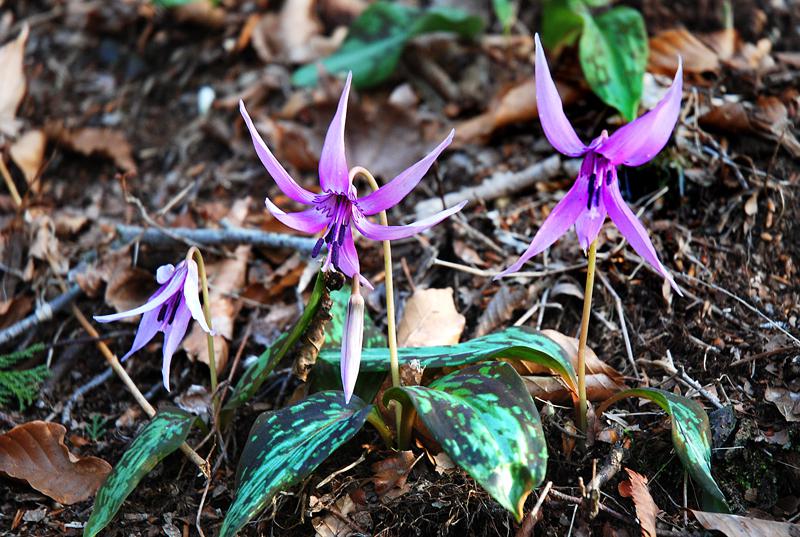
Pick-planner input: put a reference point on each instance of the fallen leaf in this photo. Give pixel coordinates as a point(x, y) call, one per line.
point(598, 388)
point(128, 288)
point(392, 472)
point(27, 152)
point(788, 402)
point(667, 46)
point(89, 141)
point(35, 452)
point(646, 509)
point(500, 308)
point(430, 318)
point(14, 309)
point(43, 242)
point(12, 73)
point(333, 525)
point(740, 526)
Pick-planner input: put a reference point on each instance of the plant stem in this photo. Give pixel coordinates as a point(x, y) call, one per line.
point(12, 188)
point(587, 312)
point(390, 317)
point(201, 273)
point(374, 417)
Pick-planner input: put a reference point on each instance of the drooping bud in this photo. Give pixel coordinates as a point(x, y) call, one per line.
point(352, 340)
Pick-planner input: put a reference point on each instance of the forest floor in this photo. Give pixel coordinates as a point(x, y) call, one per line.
point(118, 91)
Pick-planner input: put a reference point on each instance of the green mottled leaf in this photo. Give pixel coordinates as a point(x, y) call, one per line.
point(373, 337)
point(377, 38)
point(285, 446)
point(517, 343)
point(691, 434)
point(561, 23)
point(485, 420)
point(504, 11)
point(161, 436)
point(613, 52)
point(255, 375)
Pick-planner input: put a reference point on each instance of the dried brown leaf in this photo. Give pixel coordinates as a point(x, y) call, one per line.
point(646, 509)
point(667, 46)
point(101, 141)
point(27, 152)
point(129, 288)
point(740, 526)
point(430, 318)
point(35, 452)
point(598, 388)
point(12, 73)
point(788, 402)
point(393, 471)
point(500, 309)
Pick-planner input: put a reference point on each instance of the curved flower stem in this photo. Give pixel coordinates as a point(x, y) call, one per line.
point(194, 252)
point(374, 418)
point(587, 312)
point(402, 440)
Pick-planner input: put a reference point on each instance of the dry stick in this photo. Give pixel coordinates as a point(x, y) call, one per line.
point(492, 273)
point(612, 465)
point(43, 313)
point(622, 324)
point(12, 188)
point(214, 237)
point(526, 528)
point(403, 433)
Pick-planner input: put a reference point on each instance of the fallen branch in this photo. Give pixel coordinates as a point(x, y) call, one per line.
point(498, 185)
point(43, 313)
point(97, 380)
point(214, 237)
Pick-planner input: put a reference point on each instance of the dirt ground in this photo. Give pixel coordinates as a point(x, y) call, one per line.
point(720, 203)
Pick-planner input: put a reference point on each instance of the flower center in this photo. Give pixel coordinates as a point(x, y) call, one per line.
point(338, 208)
point(602, 173)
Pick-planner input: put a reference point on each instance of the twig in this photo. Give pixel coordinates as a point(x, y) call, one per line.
point(526, 528)
point(492, 273)
point(760, 355)
point(498, 185)
point(612, 465)
point(43, 313)
point(623, 325)
point(96, 381)
point(214, 237)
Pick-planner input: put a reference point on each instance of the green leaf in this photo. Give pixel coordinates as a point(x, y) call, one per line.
point(377, 38)
point(613, 52)
point(561, 23)
point(485, 420)
point(256, 374)
point(373, 337)
point(504, 11)
point(285, 446)
point(517, 343)
point(161, 436)
point(691, 434)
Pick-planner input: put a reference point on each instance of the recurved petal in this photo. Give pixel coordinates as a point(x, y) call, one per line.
point(352, 340)
point(278, 173)
point(173, 334)
point(191, 295)
point(642, 139)
point(556, 126)
point(164, 273)
point(398, 188)
point(310, 221)
point(148, 328)
point(378, 232)
point(164, 293)
point(561, 218)
point(333, 171)
point(633, 230)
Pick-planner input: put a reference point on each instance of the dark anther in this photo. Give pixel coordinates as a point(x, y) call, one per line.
point(592, 179)
point(317, 247)
point(609, 177)
point(340, 238)
point(174, 311)
point(162, 312)
point(335, 255)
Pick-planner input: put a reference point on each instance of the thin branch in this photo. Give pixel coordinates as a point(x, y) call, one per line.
point(214, 237)
point(43, 313)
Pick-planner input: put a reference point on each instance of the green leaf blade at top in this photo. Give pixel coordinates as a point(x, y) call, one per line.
point(691, 435)
point(561, 23)
point(486, 421)
point(161, 436)
point(285, 446)
point(613, 53)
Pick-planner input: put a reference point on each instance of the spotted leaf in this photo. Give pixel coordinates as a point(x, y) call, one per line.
point(286, 445)
point(485, 420)
point(515, 343)
point(160, 437)
point(691, 435)
point(373, 337)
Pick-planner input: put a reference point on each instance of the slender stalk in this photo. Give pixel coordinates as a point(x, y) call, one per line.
point(587, 312)
point(201, 273)
point(12, 188)
point(390, 317)
point(374, 417)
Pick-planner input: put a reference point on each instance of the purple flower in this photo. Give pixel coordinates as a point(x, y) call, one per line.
point(168, 310)
point(337, 208)
point(352, 339)
point(595, 193)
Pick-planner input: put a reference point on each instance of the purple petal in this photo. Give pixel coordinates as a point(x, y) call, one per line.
point(191, 295)
point(148, 328)
point(348, 259)
point(642, 139)
point(556, 126)
point(378, 232)
point(310, 221)
point(633, 230)
point(278, 173)
point(333, 171)
point(395, 190)
point(589, 222)
point(352, 340)
point(164, 273)
point(560, 219)
point(164, 293)
point(173, 334)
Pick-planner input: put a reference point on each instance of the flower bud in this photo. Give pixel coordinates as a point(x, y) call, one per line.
point(352, 339)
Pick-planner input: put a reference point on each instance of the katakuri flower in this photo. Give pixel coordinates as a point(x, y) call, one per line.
point(596, 193)
point(338, 208)
point(168, 310)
